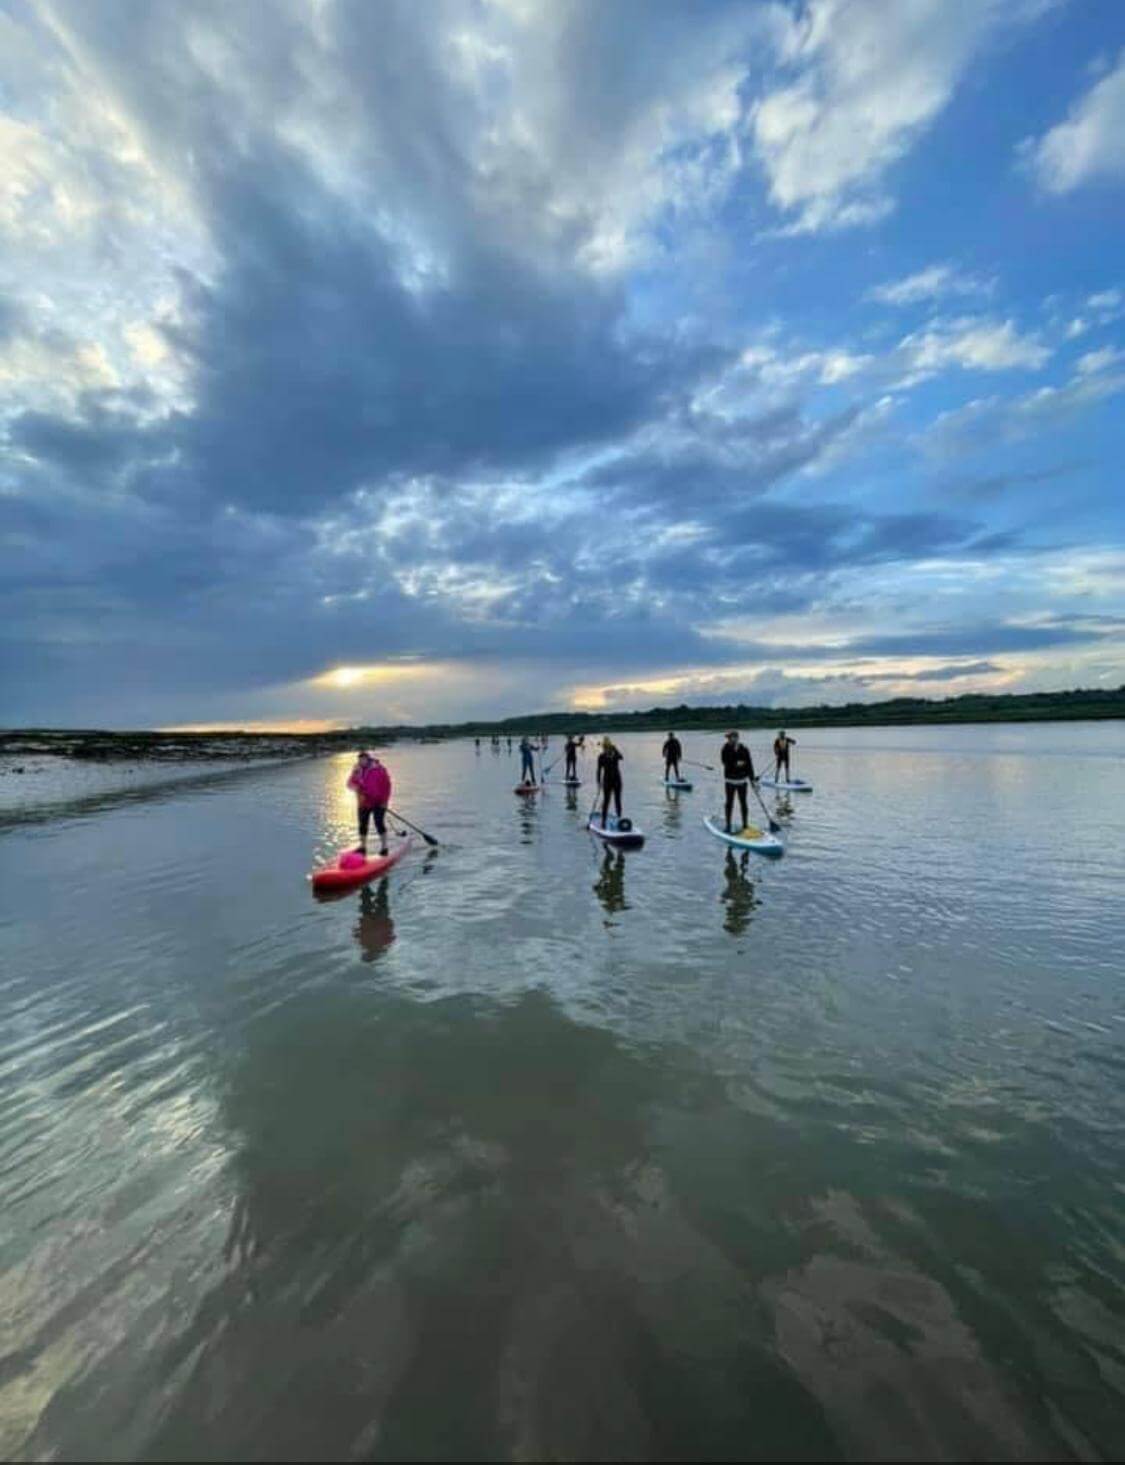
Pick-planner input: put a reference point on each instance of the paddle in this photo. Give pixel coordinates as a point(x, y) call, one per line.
point(775, 827)
point(694, 764)
point(430, 840)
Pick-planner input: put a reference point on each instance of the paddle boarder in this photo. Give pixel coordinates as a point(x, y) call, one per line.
point(673, 752)
point(371, 784)
point(571, 751)
point(609, 777)
point(527, 760)
point(738, 771)
point(781, 746)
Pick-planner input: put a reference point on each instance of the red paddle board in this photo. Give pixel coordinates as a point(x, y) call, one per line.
point(348, 873)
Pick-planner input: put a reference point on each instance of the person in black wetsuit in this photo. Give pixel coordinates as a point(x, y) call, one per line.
point(571, 757)
point(781, 746)
point(609, 778)
point(527, 760)
point(673, 752)
point(738, 771)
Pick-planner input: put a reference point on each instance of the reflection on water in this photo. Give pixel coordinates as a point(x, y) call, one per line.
point(375, 930)
point(672, 812)
point(517, 1154)
point(738, 892)
point(609, 887)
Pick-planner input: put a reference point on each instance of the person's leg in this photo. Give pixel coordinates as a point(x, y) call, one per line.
point(729, 789)
point(605, 801)
point(381, 825)
point(742, 804)
point(617, 798)
point(364, 820)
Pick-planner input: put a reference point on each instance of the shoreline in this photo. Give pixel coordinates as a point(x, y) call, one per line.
point(18, 746)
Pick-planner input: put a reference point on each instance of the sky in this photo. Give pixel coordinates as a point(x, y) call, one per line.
point(394, 362)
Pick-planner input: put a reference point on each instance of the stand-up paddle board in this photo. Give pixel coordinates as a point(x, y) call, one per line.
point(620, 832)
point(527, 788)
point(787, 785)
point(353, 869)
point(572, 783)
point(759, 840)
point(681, 783)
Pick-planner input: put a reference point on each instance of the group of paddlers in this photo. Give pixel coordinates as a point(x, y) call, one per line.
point(371, 782)
point(737, 765)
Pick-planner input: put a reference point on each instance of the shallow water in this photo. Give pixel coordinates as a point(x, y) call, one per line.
point(539, 1151)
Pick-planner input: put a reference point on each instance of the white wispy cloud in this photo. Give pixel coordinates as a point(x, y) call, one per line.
point(1090, 144)
point(867, 80)
point(990, 419)
point(1107, 301)
point(971, 343)
point(932, 283)
point(1102, 360)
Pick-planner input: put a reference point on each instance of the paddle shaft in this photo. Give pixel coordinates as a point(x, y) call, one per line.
point(430, 840)
point(775, 827)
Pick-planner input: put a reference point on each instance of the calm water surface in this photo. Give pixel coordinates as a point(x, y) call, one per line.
point(537, 1151)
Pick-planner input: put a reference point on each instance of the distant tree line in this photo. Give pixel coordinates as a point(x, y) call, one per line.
point(1081, 704)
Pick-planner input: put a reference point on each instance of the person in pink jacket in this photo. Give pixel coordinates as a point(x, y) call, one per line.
point(372, 785)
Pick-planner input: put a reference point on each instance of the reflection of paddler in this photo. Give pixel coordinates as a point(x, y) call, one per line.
point(610, 884)
point(738, 897)
point(375, 930)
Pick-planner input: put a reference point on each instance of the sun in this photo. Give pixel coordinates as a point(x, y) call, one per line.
point(346, 676)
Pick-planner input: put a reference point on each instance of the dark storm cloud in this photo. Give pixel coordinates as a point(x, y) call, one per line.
point(321, 360)
point(99, 441)
point(320, 371)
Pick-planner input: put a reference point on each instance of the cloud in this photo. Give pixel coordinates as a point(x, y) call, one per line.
point(866, 81)
point(935, 282)
point(992, 485)
point(349, 335)
point(1107, 302)
point(1090, 145)
point(971, 343)
point(1101, 360)
point(986, 420)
